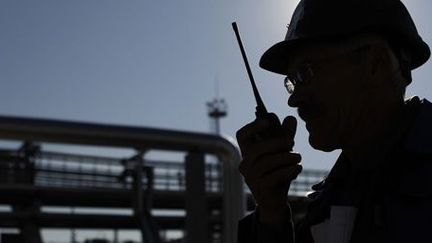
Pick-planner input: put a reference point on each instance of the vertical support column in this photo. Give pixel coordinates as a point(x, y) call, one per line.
point(30, 232)
point(149, 231)
point(195, 199)
point(138, 185)
point(234, 197)
point(29, 228)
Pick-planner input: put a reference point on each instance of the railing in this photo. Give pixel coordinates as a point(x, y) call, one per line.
point(84, 171)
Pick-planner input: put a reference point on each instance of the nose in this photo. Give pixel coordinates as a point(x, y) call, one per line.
point(297, 97)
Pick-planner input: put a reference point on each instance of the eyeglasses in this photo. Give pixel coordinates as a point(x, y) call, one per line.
point(303, 74)
point(300, 76)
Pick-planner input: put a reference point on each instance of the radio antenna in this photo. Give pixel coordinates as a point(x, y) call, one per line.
point(261, 110)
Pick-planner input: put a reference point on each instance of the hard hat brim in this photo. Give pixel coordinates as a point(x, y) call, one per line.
point(277, 58)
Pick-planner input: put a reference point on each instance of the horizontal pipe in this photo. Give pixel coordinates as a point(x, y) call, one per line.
point(60, 131)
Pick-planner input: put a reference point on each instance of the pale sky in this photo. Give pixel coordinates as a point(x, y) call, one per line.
point(152, 63)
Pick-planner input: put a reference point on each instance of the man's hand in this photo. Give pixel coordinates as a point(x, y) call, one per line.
point(269, 164)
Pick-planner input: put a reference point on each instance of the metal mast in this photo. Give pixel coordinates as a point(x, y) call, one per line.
point(217, 109)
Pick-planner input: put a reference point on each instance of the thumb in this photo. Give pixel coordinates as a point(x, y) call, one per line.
point(289, 125)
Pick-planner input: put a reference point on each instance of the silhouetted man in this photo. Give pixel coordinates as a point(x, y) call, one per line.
point(347, 64)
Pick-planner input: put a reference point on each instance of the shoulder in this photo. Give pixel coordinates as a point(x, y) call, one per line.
point(408, 210)
point(416, 163)
point(419, 137)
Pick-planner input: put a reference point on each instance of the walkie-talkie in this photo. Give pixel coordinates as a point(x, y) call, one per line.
point(261, 111)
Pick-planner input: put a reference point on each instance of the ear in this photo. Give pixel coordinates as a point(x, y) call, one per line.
point(382, 64)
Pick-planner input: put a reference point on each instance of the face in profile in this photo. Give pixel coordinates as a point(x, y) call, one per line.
point(331, 100)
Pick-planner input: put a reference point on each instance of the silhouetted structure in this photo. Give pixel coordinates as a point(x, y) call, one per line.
point(33, 177)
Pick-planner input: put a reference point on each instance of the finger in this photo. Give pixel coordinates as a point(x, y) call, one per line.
point(275, 180)
point(255, 150)
point(282, 176)
point(289, 125)
point(274, 160)
point(269, 164)
point(250, 130)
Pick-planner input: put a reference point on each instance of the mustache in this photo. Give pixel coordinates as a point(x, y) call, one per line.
point(310, 111)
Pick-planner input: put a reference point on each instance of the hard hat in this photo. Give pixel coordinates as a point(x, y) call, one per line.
point(326, 20)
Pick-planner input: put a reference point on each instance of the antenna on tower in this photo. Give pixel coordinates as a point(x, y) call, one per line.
point(216, 82)
point(216, 109)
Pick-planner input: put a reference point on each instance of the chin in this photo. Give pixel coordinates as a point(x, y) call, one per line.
point(323, 145)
